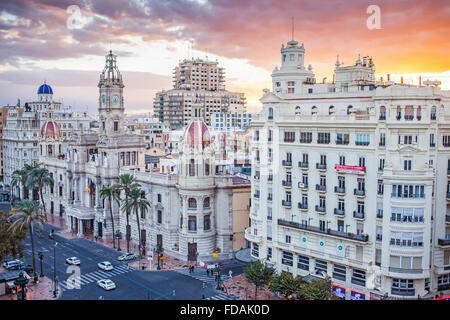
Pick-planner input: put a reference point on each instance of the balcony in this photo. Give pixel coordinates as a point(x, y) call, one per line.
point(287, 204)
point(432, 144)
point(447, 218)
point(402, 270)
point(380, 215)
point(321, 166)
point(286, 183)
point(321, 209)
point(379, 237)
point(341, 234)
point(270, 179)
point(256, 195)
point(320, 187)
point(382, 116)
point(303, 206)
point(444, 242)
point(251, 237)
point(340, 190)
point(286, 163)
point(269, 198)
point(339, 212)
point(358, 215)
point(303, 165)
point(359, 193)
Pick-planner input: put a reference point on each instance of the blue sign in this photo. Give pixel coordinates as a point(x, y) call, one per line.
point(339, 292)
point(357, 296)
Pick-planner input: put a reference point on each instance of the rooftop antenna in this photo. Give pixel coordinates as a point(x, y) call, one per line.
point(292, 28)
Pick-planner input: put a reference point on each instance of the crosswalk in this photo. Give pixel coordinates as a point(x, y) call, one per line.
point(219, 296)
point(85, 279)
point(199, 274)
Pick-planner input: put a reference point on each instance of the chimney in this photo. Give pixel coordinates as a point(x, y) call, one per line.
point(402, 80)
point(382, 79)
point(389, 77)
point(420, 81)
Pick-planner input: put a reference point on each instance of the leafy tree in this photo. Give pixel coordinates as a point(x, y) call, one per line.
point(38, 178)
point(258, 274)
point(11, 243)
point(137, 204)
point(111, 193)
point(19, 179)
point(285, 283)
point(317, 290)
point(27, 216)
point(126, 182)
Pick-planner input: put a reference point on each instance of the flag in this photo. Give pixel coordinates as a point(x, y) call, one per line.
point(89, 186)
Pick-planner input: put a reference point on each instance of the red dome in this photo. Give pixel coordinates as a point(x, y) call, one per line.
point(197, 133)
point(50, 129)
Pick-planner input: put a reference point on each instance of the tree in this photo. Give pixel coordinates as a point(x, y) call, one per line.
point(258, 274)
point(317, 290)
point(285, 283)
point(111, 193)
point(39, 178)
point(19, 179)
point(27, 216)
point(11, 243)
point(126, 182)
point(137, 204)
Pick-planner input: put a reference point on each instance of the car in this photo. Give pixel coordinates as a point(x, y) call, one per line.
point(25, 267)
point(127, 256)
point(106, 284)
point(105, 265)
point(12, 264)
point(73, 260)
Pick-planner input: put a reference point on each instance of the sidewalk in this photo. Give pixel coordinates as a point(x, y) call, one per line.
point(36, 291)
point(237, 285)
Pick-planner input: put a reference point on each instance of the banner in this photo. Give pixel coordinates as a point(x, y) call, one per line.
point(89, 186)
point(349, 169)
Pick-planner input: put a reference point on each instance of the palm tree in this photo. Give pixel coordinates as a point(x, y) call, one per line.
point(137, 204)
point(39, 178)
point(126, 183)
point(111, 193)
point(28, 215)
point(19, 178)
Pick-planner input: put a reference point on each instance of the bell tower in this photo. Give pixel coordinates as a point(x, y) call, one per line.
point(111, 108)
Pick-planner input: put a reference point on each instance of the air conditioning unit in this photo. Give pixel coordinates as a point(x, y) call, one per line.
point(301, 185)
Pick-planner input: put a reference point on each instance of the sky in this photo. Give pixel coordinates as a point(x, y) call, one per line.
point(64, 42)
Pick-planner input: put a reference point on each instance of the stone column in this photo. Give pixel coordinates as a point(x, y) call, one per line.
point(80, 227)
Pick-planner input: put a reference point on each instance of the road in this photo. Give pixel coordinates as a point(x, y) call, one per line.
point(131, 284)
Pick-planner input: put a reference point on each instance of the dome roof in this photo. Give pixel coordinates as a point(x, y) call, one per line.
point(45, 88)
point(50, 129)
point(197, 134)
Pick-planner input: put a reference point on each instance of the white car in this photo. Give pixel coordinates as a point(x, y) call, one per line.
point(105, 265)
point(73, 260)
point(106, 284)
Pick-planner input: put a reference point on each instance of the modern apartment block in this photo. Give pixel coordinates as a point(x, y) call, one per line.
point(198, 92)
point(351, 179)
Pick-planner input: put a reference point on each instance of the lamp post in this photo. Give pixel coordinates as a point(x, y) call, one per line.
point(41, 256)
point(159, 250)
point(21, 281)
point(118, 236)
point(55, 290)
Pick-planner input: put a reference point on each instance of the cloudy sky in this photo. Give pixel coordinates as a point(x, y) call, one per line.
point(64, 42)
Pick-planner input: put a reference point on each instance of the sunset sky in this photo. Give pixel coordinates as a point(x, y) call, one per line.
point(41, 40)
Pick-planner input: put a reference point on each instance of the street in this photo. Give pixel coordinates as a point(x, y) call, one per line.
point(130, 284)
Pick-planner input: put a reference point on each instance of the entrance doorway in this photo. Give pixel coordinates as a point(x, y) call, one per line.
point(52, 207)
point(100, 229)
point(192, 251)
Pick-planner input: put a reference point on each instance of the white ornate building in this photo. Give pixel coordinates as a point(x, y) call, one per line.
point(192, 211)
point(351, 179)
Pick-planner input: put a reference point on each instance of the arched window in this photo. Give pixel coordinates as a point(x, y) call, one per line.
point(349, 109)
point(419, 113)
point(270, 113)
point(399, 113)
point(331, 110)
point(192, 203)
point(192, 223)
point(409, 113)
point(433, 113)
point(298, 110)
point(207, 222)
point(206, 203)
point(192, 168)
point(382, 113)
point(313, 110)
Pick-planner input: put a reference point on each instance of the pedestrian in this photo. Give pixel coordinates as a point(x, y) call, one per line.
point(193, 269)
point(173, 293)
point(207, 272)
point(230, 273)
point(203, 297)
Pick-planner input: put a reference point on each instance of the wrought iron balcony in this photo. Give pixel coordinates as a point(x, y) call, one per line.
point(256, 195)
point(404, 270)
point(444, 242)
point(303, 206)
point(286, 163)
point(320, 209)
point(358, 215)
point(382, 116)
point(380, 215)
point(339, 212)
point(303, 165)
point(321, 166)
point(285, 203)
point(339, 189)
point(320, 187)
point(342, 234)
point(360, 193)
point(286, 183)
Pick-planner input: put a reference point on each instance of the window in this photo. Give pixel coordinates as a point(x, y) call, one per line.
point(446, 141)
point(305, 137)
point(339, 272)
point(404, 287)
point(287, 259)
point(380, 210)
point(409, 113)
point(303, 263)
point(362, 162)
point(313, 110)
point(270, 113)
point(116, 126)
point(321, 266)
point(269, 253)
point(255, 250)
point(192, 168)
point(323, 159)
point(359, 277)
point(192, 203)
point(408, 191)
point(159, 216)
point(269, 232)
point(432, 143)
point(288, 237)
point(323, 138)
point(159, 197)
point(207, 222)
point(362, 139)
point(407, 239)
point(381, 166)
point(382, 139)
point(192, 223)
point(433, 113)
point(408, 215)
point(289, 136)
point(342, 138)
point(444, 282)
point(206, 203)
point(379, 233)
point(342, 160)
point(380, 188)
point(407, 165)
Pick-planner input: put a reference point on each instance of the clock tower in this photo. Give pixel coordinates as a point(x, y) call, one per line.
point(111, 109)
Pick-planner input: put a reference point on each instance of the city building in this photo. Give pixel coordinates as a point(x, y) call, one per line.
point(229, 121)
point(351, 179)
point(194, 212)
point(198, 92)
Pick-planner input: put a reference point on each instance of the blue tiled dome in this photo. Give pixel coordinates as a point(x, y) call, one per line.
point(45, 88)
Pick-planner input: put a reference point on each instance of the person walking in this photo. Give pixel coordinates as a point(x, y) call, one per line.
point(203, 297)
point(230, 273)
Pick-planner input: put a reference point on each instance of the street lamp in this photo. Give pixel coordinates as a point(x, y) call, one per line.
point(118, 236)
point(55, 290)
point(41, 256)
point(21, 281)
point(159, 250)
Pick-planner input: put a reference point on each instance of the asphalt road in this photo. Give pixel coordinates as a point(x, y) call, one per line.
point(131, 284)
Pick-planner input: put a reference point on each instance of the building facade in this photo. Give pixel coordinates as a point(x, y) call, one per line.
point(351, 180)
